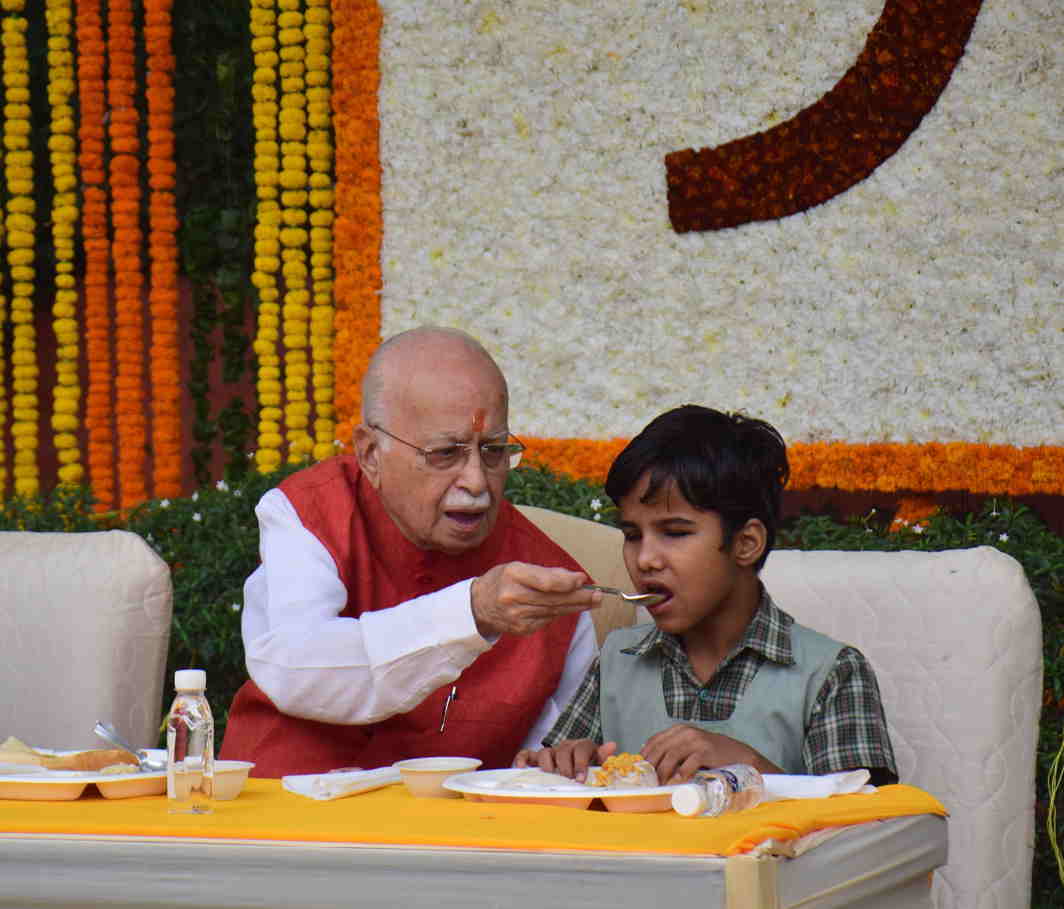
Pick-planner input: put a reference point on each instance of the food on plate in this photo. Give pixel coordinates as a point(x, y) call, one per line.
point(14, 751)
point(538, 779)
point(625, 771)
point(116, 769)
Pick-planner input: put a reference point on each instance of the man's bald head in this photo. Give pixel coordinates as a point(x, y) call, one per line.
point(431, 390)
point(429, 347)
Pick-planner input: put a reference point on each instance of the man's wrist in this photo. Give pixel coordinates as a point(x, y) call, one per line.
point(482, 628)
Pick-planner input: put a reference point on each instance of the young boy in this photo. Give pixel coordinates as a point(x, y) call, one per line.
point(723, 675)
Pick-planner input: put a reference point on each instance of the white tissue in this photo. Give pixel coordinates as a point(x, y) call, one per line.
point(326, 786)
point(796, 786)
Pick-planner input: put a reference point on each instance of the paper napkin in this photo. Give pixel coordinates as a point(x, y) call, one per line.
point(326, 786)
point(797, 786)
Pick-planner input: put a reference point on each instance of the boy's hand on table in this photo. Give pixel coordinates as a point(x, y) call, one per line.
point(570, 758)
point(680, 750)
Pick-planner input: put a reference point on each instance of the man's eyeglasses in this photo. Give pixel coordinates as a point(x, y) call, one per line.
point(493, 455)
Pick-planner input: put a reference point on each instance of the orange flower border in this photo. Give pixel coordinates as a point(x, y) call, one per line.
point(929, 468)
point(850, 467)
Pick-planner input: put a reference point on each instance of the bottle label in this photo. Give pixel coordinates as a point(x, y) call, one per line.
point(729, 778)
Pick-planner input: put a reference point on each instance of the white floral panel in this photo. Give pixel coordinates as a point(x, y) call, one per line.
point(524, 200)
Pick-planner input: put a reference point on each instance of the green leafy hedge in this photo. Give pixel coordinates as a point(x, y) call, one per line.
point(210, 541)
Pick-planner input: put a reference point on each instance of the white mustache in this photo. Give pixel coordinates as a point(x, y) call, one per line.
point(462, 500)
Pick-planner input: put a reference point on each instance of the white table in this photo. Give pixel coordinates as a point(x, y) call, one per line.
point(879, 865)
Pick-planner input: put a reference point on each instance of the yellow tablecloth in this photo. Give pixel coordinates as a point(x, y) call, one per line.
point(264, 811)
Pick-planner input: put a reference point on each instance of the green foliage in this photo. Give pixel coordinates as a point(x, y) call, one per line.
point(67, 509)
point(214, 141)
point(210, 542)
point(536, 485)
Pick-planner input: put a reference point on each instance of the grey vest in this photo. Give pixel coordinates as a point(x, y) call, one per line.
point(771, 716)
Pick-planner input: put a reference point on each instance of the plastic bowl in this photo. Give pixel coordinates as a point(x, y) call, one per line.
point(424, 776)
point(229, 778)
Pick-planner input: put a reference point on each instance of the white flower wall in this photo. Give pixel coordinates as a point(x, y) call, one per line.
point(522, 150)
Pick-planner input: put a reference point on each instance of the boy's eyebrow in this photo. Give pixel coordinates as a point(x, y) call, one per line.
point(659, 522)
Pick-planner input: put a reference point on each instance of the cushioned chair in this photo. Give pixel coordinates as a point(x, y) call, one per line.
point(956, 641)
point(84, 626)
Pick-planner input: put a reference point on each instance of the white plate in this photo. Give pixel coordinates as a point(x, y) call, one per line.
point(491, 786)
point(67, 785)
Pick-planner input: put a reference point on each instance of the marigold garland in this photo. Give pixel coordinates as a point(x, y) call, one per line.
point(356, 79)
point(836, 142)
point(92, 109)
point(3, 365)
point(66, 396)
point(126, 252)
point(292, 128)
point(162, 252)
point(267, 232)
point(320, 154)
point(20, 227)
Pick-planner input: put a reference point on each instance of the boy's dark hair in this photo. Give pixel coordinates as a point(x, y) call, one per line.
point(727, 463)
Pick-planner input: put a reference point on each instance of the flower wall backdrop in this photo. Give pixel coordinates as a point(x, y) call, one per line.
point(908, 333)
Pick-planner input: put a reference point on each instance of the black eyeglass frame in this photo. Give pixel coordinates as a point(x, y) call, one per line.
point(493, 455)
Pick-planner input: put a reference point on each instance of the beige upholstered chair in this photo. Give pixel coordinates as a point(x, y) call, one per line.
point(956, 641)
point(84, 629)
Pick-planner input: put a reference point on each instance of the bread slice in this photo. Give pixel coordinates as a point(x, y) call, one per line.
point(12, 751)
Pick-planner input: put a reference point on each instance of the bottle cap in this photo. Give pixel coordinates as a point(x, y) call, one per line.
point(689, 800)
point(190, 680)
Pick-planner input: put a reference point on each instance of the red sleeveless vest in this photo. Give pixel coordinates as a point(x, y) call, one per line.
point(500, 694)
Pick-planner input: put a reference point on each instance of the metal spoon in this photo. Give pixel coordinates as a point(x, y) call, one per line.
point(636, 599)
point(108, 733)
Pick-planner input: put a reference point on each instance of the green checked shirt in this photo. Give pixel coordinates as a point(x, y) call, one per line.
point(846, 727)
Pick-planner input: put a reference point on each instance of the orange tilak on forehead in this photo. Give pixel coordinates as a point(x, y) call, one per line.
point(478, 420)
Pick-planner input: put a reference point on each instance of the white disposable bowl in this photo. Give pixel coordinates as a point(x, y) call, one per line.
point(229, 778)
point(424, 776)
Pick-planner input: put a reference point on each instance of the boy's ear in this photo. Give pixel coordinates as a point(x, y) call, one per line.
point(749, 543)
point(368, 452)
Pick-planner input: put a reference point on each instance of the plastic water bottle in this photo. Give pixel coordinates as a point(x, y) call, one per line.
point(719, 791)
point(189, 746)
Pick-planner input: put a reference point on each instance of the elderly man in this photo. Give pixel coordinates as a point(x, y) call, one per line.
point(403, 607)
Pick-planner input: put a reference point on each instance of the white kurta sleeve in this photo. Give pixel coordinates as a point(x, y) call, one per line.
point(315, 664)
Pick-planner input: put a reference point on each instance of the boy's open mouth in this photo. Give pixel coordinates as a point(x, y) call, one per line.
point(660, 589)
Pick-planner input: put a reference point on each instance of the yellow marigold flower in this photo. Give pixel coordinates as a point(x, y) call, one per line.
point(293, 179)
point(267, 460)
point(292, 131)
point(20, 239)
point(64, 422)
point(71, 473)
point(293, 236)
